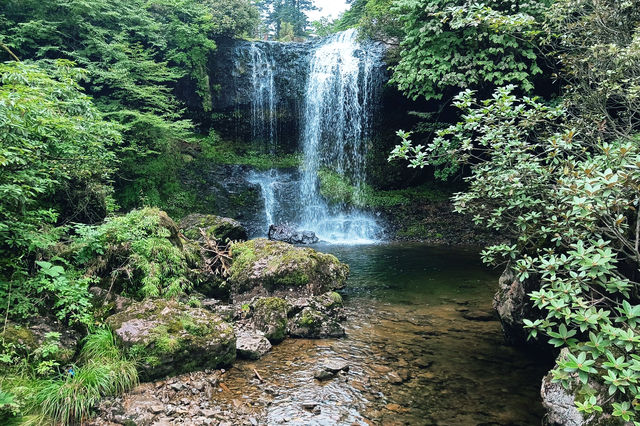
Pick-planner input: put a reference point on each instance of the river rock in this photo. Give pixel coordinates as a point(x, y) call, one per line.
point(330, 368)
point(252, 346)
point(215, 227)
point(264, 267)
point(319, 318)
point(513, 305)
point(269, 315)
point(39, 330)
point(171, 338)
point(288, 234)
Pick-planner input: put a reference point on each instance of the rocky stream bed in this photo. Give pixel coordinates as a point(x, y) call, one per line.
point(422, 346)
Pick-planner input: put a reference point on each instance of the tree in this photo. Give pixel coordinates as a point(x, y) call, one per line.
point(561, 181)
point(56, 155)
point(459, 44)
point(278, 12)
point(135, 52)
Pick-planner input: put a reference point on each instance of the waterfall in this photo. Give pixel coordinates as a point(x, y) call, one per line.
point(330, 89)
point(263, 99)
point(340, 100)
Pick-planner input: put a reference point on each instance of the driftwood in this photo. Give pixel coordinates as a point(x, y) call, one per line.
point(258, 375)
point(217, 257)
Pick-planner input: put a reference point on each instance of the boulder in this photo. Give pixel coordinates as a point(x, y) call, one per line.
point(29, 337)
point(171, 338)
point(269, 316)
point(215, 227)
point(252, 346)
point(319, 318)
point(560, 401)
point(264, 267)
point(288, 234)
point(513, 305)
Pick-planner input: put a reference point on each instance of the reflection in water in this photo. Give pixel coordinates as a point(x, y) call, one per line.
point(414, 357)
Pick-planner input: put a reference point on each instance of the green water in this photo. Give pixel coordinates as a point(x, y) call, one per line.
point(414, 357)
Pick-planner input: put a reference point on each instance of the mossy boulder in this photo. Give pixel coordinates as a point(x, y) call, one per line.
point(320, 317)
point(141, 254)
point(27, 338)
point(269, 315)
point(264, 267)
point(170, 338)
point(215, 227)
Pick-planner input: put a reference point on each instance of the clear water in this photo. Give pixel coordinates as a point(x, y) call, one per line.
point(405, 305)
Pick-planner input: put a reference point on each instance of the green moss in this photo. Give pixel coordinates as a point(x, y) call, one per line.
point(227, 152)
point(339, 189)
point(270, 314)
point(337, 299)
point(307, 319)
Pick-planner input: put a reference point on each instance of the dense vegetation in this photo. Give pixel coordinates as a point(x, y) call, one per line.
point(546, 137)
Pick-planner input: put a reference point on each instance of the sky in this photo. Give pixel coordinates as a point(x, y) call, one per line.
point(329, 8)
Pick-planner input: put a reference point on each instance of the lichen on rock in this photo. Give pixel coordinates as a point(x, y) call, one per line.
point(168, 337)
point(263, 267)
point(215, 227)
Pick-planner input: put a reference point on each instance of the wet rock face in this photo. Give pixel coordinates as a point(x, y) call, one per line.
point(172, 338)
point(215, 227)
point(263, 267)
point(288, 234)
point(513, 305)
point(30, 337)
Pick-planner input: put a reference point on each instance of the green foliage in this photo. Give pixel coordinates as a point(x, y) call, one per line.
point(69, 397)
point(562, 182)
point(457, 44)
point(141, 253)
point(225, 152)
point(55, 157)
point(338, 189)
point(375, 19)
point(135, 53)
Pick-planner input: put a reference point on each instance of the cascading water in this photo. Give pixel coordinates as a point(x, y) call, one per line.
point(340, 100)
point(263, 100)
point(337, 81)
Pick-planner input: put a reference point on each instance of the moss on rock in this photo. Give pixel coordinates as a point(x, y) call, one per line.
point(216, 227)
point(270, 317)
point(274, 265)
point(169, 338)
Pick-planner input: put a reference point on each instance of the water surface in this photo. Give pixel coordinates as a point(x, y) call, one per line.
point(414, 358)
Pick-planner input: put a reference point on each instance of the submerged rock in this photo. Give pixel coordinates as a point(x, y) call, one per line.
point(288, 234)
point(264, 267)
point(172, 338)
point(252, 346)
point(215, 227)
point(330, 369)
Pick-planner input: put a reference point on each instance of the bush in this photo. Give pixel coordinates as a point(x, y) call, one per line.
point(69, 397)
point(140, 254)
